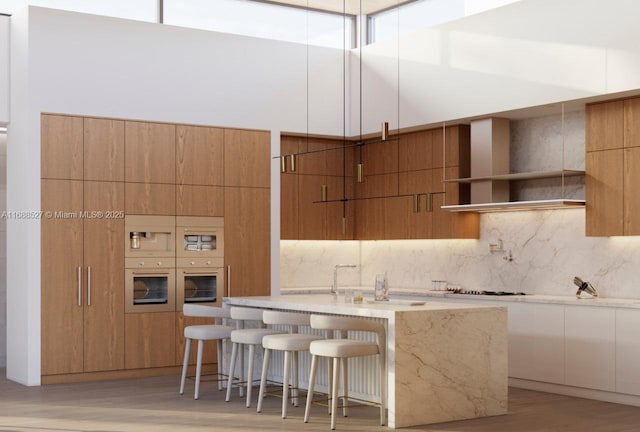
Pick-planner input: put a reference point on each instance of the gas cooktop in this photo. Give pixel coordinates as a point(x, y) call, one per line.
point(490, 293)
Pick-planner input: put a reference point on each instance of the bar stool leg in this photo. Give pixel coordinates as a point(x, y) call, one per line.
point(185, 364)
point(219, 360)
point(263, 378)
point(312, 383)
point(242, 372)
point(198, 368)
point(383, 390)
point(334, 391)
point(329, 378)
point(296, 381)
point(345, 384)
point(232, 370)
point(252, 351)
point(285, 383)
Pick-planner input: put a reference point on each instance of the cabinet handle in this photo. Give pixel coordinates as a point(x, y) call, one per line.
point(88, 285)
point(79, 274)
point(228, 281)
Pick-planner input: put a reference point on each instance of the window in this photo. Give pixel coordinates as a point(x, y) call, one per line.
point(263, 20)
point(422, 14)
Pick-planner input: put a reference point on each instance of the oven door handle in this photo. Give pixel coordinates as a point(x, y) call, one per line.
point(150, 273)
point(197, 273)
point(203, 231)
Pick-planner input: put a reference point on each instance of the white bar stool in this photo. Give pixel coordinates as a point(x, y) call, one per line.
point(343, 349)
point(240, 337)
point(203, 333)
point(290, 343)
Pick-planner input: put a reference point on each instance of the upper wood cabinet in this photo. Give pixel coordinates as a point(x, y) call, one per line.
point(604, 126)
point(81, 148)
point(103, 149)
point(289, 204)
point(415, 151)
point(247, 159)
point(61, 139)
point(612, 166)
point(199, 155)
point(150, 150)
point(382, 204)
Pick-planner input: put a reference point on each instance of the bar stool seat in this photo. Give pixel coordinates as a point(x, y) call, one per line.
point(288, 342)
point(251, 336)
point(340, 350)
point(345, 348)
point(201, 333)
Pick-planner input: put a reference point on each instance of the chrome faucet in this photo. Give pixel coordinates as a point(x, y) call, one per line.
point(334, 287)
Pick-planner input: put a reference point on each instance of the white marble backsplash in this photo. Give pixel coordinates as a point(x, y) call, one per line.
point(548, 248)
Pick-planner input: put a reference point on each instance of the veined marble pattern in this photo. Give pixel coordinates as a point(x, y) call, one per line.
point(548, 248)
point(443, 381)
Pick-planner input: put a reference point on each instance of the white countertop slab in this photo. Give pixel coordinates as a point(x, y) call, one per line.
point(426, 294)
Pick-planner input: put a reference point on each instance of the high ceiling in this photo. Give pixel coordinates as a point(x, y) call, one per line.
point(351, 7)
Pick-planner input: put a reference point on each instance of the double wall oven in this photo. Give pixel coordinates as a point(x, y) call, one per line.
point(171, 260)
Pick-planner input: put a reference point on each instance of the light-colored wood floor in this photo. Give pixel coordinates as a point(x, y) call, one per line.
point(153, 404)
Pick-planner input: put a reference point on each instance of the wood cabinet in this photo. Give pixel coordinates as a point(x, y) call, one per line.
point(62, 153)
point(199, 155)
point(82, 251)
point(96, 170)
point(150, 150)
point(62, 299)
point(590, 354)
point(604, 193)
point(612, 166)
point(382, 204)
point(322, 162)
point(247, 158)
point(82, 277)
point(150, 340)
point(247, 241)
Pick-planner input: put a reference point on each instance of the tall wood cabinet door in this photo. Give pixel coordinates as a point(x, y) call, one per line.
point(631, 196)
point(311, 216)
point(604, 126)
point(61, 263)
point(632, 122)
point(195, 200)
point(604, 193)
point(247, 158)
point(289, 189)
point(150, 152)
point(104, 267)
point(419, 222)
point(199, 155)
point(103, 149)
point(247, 241)
point(61, 146)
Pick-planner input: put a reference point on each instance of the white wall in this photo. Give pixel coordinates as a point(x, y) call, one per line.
point(529, 53)
point(5, 22)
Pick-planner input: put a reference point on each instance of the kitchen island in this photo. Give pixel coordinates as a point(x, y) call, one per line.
point(445, 361)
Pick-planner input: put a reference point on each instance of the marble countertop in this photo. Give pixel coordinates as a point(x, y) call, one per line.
point(326, 303)
point(426, 294)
